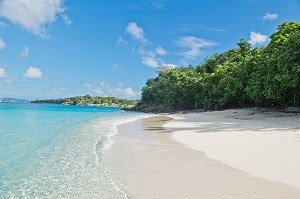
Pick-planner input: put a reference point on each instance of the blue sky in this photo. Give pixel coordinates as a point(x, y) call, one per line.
point(62, 48)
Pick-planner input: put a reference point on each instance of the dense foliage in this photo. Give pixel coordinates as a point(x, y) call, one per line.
point(90, 101)
point(243, 76)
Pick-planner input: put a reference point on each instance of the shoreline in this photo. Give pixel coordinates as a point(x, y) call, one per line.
point(87, 105)
point(148, 163)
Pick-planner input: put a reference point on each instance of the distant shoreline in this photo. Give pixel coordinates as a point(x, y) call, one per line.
point(97, 105)
point(88, 100)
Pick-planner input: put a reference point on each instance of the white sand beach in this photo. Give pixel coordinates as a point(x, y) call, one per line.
point(244, 153)
point(262, 143)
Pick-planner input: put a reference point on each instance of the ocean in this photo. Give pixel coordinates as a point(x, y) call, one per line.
point(55, 151)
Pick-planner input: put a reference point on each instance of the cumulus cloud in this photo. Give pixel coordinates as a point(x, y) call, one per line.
point(105, 90)
point(25, 52)
point(2, 44)
point(270, 16)
point(4, 76)
point(257, 38)
point(34, 15)
point(149, 57)
point(136, 32)
point(193, 45)
point(125, 91)
point(160, 50)
point(150, 61)
point(3, 73)
point(34, 73)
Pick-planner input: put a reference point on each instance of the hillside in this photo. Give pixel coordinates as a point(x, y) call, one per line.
point(240, 77)
point(88, 100)
point(13, 100)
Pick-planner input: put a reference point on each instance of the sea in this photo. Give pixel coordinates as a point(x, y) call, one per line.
point(55, 151)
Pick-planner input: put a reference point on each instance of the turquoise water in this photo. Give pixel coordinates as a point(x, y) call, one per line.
point(54, 151)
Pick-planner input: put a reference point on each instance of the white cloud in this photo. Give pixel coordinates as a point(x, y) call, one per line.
point(121, 41)
point(197, 27)
point(34, 73)
point(4, 76)
point(59, 88)
point(105, 90)
point(127, 92)
point(257, 38)
point(193, 45)
point(34, 15)
point(160, 50)
point(149, 58)
point(150, 61)
point(66, 19)
point(270, 16)
point(3, 73)
point(25, 52)
point(146, 4)
point(136, 32)
point(2, 44)
point(102, 89)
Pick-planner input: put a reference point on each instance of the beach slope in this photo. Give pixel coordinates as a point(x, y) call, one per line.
point(174, 157)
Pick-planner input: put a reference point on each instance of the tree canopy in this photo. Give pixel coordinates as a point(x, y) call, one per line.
point(243, 76)
point(90, 101)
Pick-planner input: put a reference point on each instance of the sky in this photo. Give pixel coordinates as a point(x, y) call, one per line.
point(53, 49)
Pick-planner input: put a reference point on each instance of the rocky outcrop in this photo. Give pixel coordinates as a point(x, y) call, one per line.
point(292, 110)
point(158, 108)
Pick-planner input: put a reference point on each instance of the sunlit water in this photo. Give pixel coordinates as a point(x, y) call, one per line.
point(55, 151)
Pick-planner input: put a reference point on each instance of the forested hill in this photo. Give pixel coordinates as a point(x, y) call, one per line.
point(91, 101)
point(240, 77)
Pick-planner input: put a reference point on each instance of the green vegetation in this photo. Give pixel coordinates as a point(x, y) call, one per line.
point(243, 76)
point(88, 100)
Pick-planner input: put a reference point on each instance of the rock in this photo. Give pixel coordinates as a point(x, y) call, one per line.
point(292, 110)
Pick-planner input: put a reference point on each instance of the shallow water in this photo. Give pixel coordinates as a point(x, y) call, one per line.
point(55, 151)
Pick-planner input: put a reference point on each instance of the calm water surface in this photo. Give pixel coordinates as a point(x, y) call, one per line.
point(55, 151)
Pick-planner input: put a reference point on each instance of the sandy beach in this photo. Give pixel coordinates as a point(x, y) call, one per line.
point(240, 153)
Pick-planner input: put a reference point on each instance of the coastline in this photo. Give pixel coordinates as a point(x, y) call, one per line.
point(89, 105)
point(150, 163)
point(57, 152)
